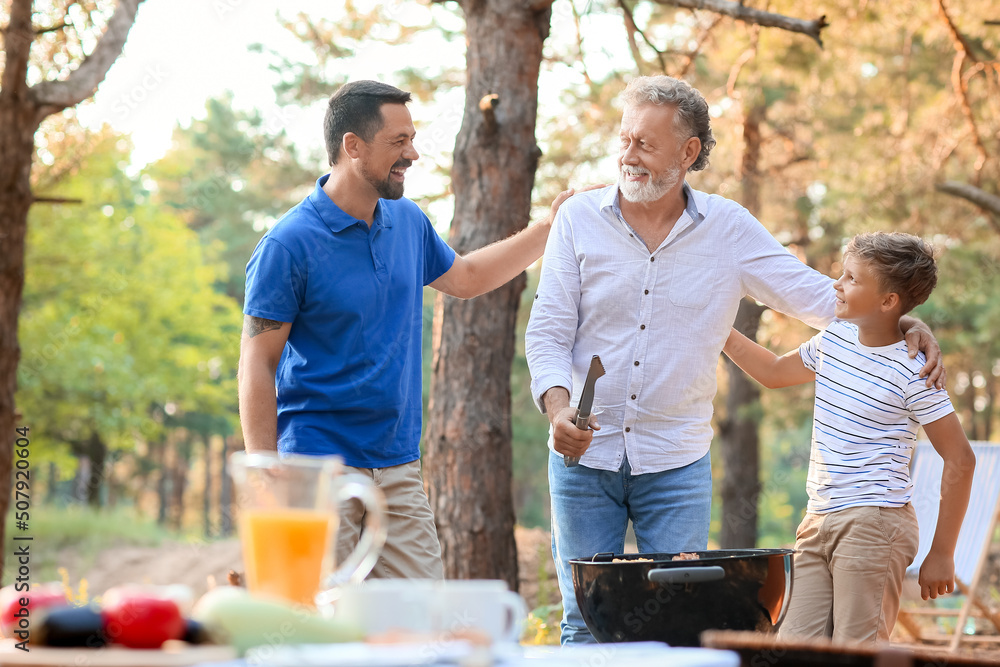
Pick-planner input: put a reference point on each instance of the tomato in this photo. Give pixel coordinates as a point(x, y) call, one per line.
point(19, 609)
point(141, 621)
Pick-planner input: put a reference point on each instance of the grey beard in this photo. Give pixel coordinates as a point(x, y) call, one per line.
point(649, 192)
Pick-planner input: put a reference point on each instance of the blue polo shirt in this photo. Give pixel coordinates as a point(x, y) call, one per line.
point(349, 379)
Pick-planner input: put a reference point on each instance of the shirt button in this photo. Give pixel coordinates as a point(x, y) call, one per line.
point(627, 429)
point(633, 397)
point(642, 326)
point(536, 296)
point(645, 291)
point(635, 363)
point(652, 259)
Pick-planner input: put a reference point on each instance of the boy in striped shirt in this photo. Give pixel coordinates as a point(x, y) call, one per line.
point(860, 532)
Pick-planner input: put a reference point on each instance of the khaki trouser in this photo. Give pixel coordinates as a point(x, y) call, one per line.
point(848, 573)
point(411, 548)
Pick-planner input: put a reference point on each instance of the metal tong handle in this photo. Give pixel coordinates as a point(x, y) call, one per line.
point(582, 424)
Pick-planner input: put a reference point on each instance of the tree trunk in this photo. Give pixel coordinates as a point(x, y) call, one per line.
point(468, 442)
point(206, 505)
point(81, 478)
point(22, 109)
point(162, 481)
point(97, 452)
point(53, 485)
point(973, 422)
point(18, 120)
point(988, 411)
point(740, 488)
point(225, 490)
point(179, 470)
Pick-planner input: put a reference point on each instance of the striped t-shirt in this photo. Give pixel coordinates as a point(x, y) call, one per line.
point(870, 401)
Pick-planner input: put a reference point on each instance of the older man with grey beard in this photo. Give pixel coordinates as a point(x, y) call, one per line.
point(649, 274)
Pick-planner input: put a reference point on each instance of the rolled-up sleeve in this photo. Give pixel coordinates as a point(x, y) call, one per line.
point(551, 332)
point(773, 276)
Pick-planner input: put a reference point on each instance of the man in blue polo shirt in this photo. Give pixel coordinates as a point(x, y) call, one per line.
point(333, 318)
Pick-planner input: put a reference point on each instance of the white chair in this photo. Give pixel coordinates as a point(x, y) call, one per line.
point(972, 550)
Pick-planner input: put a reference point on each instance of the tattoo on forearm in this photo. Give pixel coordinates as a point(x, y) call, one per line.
point(256, 325)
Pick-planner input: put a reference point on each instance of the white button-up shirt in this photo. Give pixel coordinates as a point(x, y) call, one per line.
point(657, 319)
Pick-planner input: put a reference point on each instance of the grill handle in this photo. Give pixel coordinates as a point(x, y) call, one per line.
point(686, 575)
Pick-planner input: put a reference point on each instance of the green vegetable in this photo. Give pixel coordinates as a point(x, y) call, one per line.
point(234, 616)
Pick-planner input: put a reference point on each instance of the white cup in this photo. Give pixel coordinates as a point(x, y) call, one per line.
point(439, 609)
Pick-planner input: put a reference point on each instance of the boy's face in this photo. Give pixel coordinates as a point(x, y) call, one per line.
point(859, 296)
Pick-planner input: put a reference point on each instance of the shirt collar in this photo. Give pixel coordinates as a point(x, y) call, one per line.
point(693, 207)
point(335, 218)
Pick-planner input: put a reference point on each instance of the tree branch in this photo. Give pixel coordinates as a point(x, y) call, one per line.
point(538, 5)
point(579, 44)
point(737, 68)
point(51, 28)
point(963, 52)
point(739, 12)
point(777, 169)
point(54, 96)
point(689, 58)
point(961, 43)
point(488, 105)
point(56, 200)
point(633, 29)
point(630, 31)
point(981, 198)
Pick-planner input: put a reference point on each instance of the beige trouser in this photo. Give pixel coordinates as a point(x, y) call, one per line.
point(411, 548)
point(848, 573)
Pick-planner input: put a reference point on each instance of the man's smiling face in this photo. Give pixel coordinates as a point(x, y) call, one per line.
point(651, 156)
point(386, 157)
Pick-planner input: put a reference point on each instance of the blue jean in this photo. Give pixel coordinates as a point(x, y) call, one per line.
point(670, 513)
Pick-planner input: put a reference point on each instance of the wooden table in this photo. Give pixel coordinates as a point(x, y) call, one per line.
point(761, 650)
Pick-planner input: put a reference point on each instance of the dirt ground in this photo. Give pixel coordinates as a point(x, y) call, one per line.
point(199, 564)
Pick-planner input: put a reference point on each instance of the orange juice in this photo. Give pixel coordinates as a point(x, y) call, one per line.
point(283, 550)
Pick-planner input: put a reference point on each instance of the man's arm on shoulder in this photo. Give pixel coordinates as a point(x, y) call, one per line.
point(765, 366)
point(919, 337)
point(494, 265)
point(260, 350)
point(937, 573)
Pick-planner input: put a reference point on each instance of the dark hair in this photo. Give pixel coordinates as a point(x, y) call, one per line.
point(357, 107)
point(902, 263)
point(692, 109)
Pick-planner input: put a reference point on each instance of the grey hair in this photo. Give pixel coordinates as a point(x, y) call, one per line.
point(692, 109)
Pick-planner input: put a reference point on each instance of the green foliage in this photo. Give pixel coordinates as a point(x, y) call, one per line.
point(120, 325)
point(229, 176)
point(542, 626)
point(965, 313)
point(784, 465)
point(338, 38)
